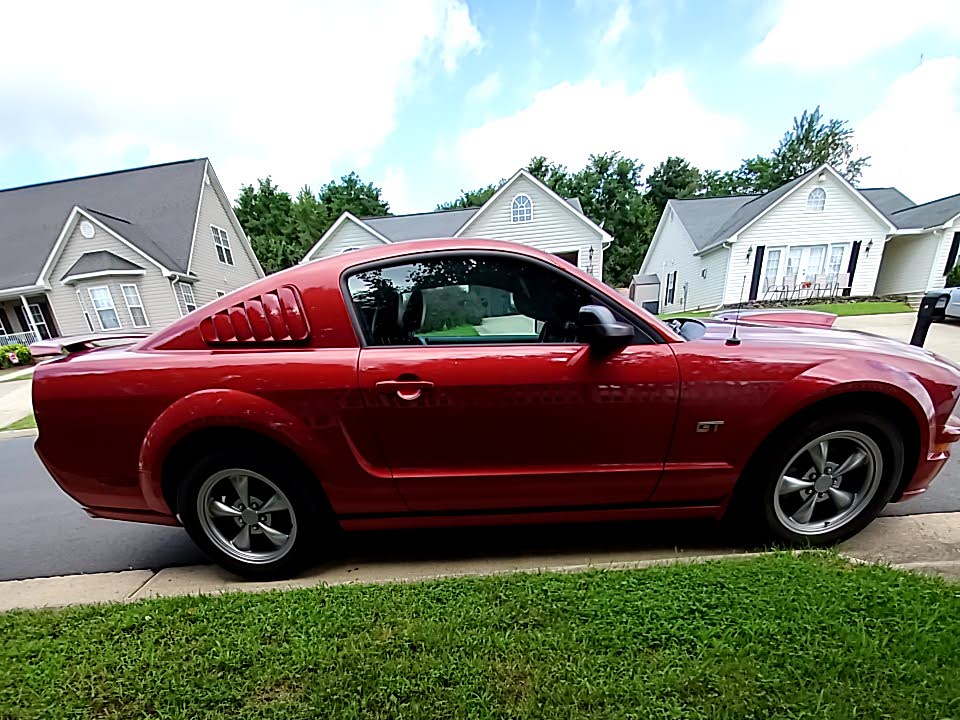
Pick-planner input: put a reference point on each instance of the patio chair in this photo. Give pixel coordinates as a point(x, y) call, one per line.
point(822, 285)
point(843, 283)
point(788, 288)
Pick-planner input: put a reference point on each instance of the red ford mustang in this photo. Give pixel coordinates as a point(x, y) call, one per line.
point(475, 382)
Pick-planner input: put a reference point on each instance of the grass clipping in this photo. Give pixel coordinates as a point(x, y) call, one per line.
point(781, 636)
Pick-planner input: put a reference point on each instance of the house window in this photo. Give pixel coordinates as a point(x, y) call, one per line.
point(671, 288)
point(817, 199)
point(835, 259)
point(522, 209)
point(131, 296)
point(104, 307)
point(772, 269)
point(222, 243)
point(185, 298)
point(83, 309)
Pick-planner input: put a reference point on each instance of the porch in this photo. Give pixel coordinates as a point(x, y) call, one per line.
point(25, 319)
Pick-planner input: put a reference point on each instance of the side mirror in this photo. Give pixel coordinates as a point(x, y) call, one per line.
point(598, 327)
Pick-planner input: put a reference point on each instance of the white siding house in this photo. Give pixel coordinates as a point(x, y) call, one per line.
point(815, 236)
point(523, 210)
point(118, 252)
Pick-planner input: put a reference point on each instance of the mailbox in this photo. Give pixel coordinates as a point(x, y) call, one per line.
point(933, 308)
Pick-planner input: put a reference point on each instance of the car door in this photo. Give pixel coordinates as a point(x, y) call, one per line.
point(482, 398)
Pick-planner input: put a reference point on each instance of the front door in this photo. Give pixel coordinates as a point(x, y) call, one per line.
point(478, 412)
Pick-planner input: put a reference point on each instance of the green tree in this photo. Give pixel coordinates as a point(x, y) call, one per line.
point(811, 142)
point(471, 198)
point(266, 214)
point(671, 179)
point(350, 194)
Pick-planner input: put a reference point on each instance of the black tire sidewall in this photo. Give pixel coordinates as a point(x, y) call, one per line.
point(312, 517)
point(782, 449)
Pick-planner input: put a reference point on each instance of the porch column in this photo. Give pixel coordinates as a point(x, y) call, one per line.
point(27, 314)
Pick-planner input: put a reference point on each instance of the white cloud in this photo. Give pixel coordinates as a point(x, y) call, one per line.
point(913, 136)
point(568, 122)
point(292, 90)
point(486, 89)
point(811, 36)
point(396, 191)
point(618, 24)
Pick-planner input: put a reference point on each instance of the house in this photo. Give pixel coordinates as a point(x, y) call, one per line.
point(816, 235)
point(523, 210)
point(126, 251)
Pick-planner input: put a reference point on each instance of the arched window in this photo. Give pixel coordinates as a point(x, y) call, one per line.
point(816, 199)
point(522, 209)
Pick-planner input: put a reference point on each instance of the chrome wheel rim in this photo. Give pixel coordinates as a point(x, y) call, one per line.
point(246, 516)
point(828, 482)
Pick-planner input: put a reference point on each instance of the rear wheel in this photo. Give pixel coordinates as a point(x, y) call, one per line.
point(823, 482)
point(252, 514)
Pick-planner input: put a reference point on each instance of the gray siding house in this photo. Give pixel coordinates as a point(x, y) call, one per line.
point(126, 251)
point(523, 210)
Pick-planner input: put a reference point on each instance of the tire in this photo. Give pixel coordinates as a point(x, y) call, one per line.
point(795, 498)
point(253, 513)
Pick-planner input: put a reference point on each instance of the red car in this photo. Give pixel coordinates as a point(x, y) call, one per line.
point(470, 382)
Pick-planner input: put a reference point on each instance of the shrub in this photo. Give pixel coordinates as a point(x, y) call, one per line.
point(953, 277)
point(22, 353)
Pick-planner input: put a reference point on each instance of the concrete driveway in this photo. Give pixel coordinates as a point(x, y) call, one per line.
point(15, 401)
point(943, 338)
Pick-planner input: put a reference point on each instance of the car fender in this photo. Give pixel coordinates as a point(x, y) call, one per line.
point(842, 377)
point(219, 408)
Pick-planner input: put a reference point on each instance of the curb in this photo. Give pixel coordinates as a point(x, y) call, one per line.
point(135, 585)
point(9, 434)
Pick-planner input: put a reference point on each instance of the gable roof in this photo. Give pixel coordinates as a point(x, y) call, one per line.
point(154, 207)
point(99, 261)
point(931, 214)
point(702, 216)
point(887, 200)
point(417, 226)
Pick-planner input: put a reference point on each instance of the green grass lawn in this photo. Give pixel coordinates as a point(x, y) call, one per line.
point(775, 637)
point(22, 424)
point(4, 376)
point(842, 309)
point(458, 331)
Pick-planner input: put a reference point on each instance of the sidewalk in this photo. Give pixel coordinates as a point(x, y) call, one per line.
point(923, 543)
point(15, 401)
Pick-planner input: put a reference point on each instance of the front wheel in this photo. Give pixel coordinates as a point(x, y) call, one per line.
point(823, 483)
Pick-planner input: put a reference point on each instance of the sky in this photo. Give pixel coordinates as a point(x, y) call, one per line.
point(426, 98)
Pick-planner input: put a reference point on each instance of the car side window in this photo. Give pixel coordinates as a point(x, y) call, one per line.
point(466, 300)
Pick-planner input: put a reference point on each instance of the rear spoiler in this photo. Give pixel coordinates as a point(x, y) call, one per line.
point(77, 343)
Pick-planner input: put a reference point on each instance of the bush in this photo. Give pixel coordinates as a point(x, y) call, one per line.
point(953, 277)
point(22, 353)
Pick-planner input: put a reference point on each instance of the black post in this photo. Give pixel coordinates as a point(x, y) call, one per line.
point(933, 307)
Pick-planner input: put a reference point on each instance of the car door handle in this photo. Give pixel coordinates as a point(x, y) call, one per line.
point(404, 389)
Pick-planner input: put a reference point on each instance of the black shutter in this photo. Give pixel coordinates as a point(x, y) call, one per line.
point(757, 265)
point(852, 265)
point(21, 318)
point(952, 257)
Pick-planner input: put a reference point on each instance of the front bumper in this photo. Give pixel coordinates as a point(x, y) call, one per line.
point(929, 466)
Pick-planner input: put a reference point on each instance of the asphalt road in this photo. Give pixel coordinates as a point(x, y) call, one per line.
point(44, 533)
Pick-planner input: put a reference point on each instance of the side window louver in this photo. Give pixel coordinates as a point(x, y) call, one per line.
point(275, 317)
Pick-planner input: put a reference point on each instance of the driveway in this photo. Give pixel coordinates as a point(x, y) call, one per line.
point(15, 401)
point(943, 338)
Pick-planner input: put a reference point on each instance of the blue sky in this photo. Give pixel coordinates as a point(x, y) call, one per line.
point(428, 97)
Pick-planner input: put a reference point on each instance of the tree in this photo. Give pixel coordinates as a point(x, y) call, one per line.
point(811, 142)
point(352, 195)
point(282, 229)
point(471, 198)
point(671, 179)
point(265, 212)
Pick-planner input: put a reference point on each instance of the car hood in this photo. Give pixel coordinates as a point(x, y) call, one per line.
point(798, 336)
